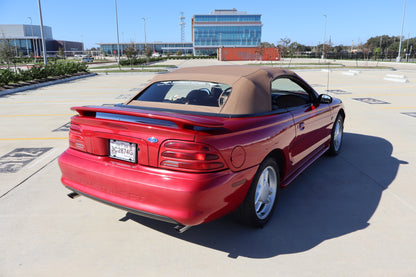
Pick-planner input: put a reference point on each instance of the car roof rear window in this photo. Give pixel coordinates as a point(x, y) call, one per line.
point(200, 93)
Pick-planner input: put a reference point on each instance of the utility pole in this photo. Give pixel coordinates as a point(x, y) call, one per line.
point(144, 28)
point(45, 60)
point(118, 41)
point(182, 23)
point(323, 46)
point(407, 48)
point(398, 59)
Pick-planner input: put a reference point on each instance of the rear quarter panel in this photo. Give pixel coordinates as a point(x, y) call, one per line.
point(253, 137)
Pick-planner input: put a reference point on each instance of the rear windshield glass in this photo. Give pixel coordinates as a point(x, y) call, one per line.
point(187, 92)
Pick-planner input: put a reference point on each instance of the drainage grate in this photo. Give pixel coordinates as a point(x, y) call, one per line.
point(413, 114)
point(337, 91)
point(63, 128)
point(371, 101)
point(19, 157)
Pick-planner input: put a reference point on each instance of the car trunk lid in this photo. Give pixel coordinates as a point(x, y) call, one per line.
point(98, 128)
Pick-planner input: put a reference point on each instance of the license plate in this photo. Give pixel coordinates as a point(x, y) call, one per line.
point(125, 151)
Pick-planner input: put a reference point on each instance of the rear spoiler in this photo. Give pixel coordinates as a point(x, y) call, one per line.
point(181, 120)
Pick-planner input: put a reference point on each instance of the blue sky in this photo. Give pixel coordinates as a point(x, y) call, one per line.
point(302, 21)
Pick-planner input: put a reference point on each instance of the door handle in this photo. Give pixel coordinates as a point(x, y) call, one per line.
point(301, 126)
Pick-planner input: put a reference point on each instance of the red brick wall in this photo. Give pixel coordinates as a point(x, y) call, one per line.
point(248, 54)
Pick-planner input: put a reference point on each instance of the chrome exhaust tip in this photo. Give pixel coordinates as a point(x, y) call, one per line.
point(182, 228)
point(73, 195)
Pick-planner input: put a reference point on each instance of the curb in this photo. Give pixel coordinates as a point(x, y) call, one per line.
point(35, 86)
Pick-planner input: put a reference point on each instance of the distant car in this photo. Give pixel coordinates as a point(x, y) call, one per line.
point(199, 143)
point(87, 59)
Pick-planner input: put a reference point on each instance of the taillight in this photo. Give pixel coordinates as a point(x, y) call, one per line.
point(76, 139)
point(189, 156)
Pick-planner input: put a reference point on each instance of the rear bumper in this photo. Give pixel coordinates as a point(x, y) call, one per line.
point(137, 212)
point(176, 197)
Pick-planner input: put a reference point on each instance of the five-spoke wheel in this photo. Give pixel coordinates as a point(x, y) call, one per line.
point(336, 135)
point(257, 208)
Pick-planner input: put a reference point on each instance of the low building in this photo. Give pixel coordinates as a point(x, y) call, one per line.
point(157, 47)
point(27, 40)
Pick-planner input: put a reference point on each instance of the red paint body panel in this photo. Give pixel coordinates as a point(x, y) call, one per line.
point(187, 198)
point(180, 120)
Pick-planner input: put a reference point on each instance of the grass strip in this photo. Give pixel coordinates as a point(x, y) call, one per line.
point(128, 71)
point(134, 66)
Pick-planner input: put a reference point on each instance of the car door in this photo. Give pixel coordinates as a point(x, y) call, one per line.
point(312, 121)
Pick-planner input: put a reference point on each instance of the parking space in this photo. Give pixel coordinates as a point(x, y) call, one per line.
point(354, 214)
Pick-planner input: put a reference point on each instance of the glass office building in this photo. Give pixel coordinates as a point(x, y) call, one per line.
point(225, 28)
point(159, 47)
point(25, 40)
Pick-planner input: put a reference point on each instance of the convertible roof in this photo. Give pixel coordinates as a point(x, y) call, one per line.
point(250, 87)
point(228, 74)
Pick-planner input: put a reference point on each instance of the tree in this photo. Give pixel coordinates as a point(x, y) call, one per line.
point(131, 54)
point(283, 44)
point(61, 52)
point(148, 52)
point(340, 48)
point(377, 52)
point(267, 45)
point(298, 48)
point(387, 45)
point(6, 52)
point(366, 52)
point(381, 41)
point(260, 51)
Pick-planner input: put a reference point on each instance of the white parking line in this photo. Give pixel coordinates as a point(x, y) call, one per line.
point(37, 161)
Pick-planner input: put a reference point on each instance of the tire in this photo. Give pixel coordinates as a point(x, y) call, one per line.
point(337, 135)
point(258, 206)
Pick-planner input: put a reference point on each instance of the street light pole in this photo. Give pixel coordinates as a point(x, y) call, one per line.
point(27, 47)
point(323, 46)
point(398, 59)
point(118, 41)
point(45, 61)
point(144, 27)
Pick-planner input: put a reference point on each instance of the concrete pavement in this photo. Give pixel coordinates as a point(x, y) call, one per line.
point(351, 215)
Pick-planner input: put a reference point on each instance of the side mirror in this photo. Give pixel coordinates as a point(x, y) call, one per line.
point(324, 99)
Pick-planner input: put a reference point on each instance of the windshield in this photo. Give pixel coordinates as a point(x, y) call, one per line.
point(187, 92)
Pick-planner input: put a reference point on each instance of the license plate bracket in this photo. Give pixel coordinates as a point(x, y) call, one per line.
point(123, 150)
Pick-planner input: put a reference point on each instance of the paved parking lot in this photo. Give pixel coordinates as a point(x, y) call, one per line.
point(352, 215)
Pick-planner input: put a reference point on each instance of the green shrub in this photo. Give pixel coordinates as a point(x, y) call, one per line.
point(140, 61)
point(41, 71)
point(6, 77)
point(24, 75)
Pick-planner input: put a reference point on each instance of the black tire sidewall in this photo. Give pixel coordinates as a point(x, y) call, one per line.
point(332, 151)
point(248, 212)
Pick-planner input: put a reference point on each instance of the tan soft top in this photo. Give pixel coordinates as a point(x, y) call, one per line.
point(250, 87)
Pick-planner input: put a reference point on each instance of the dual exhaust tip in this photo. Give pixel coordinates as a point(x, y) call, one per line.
point(179, 228)
point(73, 195)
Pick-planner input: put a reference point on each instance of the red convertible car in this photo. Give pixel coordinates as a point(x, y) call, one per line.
point(199, 143)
